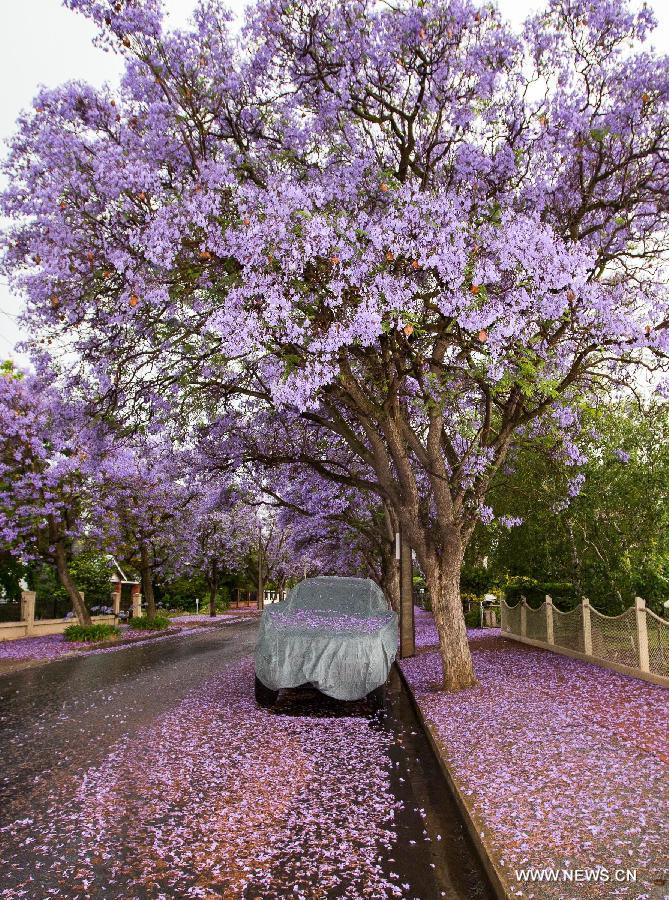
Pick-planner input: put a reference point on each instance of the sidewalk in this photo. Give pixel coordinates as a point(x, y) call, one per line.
point(560, 763)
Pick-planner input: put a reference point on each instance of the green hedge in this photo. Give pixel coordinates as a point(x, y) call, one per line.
point(563, 593)
point(473, 618)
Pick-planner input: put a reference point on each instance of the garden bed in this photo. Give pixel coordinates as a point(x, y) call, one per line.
point(560, 764)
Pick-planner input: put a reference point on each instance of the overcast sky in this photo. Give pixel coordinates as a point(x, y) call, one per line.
point(43, 43)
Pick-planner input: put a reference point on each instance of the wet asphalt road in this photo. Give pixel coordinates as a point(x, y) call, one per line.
point(58, 720)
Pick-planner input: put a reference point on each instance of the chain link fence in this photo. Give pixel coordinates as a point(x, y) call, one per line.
point(536, 623)
point(637, 639)
point(658, 644)
point(568, 629)
point(615, 637)
point(512, 616)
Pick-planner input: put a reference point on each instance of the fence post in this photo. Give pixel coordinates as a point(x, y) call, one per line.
point(550, 634)
point(523, 617)
point(28, 610)
point(642, 633)
point(587, 627)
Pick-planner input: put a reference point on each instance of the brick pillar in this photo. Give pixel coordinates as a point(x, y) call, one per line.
point(523, 617)
point(587, 627)
point(28, 610)
point(642, 633)
point(550, 633)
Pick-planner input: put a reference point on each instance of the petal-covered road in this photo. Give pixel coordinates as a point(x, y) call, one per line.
point(151, 772)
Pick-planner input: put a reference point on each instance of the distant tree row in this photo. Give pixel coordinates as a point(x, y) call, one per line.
point(610, 541)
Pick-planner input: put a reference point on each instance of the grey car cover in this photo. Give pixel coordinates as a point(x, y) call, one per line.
point(337, 634)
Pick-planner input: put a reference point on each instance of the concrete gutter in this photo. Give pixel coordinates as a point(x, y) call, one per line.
point(493, 871)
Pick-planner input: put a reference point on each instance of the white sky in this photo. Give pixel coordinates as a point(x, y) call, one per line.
point(43, 43)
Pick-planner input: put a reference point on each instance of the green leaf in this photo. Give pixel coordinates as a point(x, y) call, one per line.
point(598, 134)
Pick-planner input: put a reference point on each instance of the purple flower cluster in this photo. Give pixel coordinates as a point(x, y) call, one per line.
point(322, 620)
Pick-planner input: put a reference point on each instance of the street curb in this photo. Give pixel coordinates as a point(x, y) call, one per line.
point(497, 882)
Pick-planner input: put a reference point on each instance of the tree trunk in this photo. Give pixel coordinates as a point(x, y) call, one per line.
point(261, 574)
point(78, 605)
point(213, 588)
point(407, 625)
point(575, 558)
point(390, 572)
point(391, 583)
point(443, 582)
point(147, 581)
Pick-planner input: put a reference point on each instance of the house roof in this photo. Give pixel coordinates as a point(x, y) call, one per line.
point(118, 575)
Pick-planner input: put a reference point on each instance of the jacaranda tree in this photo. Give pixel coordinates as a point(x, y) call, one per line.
point(421, 231)
point(144, 498)
point(217, 531)
point(50, 456)
point(314, 480)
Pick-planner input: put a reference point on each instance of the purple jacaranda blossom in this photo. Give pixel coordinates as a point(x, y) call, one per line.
point(317, 619)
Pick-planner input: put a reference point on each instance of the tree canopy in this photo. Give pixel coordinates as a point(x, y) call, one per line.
point(411, 227)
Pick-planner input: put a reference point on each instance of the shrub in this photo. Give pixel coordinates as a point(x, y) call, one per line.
point(473, 618)
point(101, 631)
point(564, 594)
point(477, 580)
point(141, 623)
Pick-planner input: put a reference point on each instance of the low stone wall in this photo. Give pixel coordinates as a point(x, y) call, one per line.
point(39, 627)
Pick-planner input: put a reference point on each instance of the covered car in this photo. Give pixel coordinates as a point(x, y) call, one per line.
point(337, 634)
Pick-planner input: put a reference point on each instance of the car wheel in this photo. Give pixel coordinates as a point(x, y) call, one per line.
point(264, 696)
point(377, 697)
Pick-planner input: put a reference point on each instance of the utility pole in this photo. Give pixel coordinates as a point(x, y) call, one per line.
point(261, 587)
point(404, 560)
